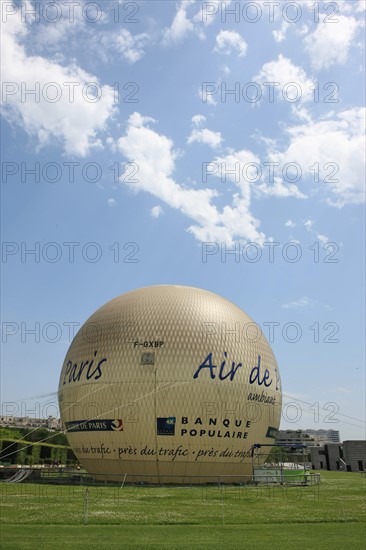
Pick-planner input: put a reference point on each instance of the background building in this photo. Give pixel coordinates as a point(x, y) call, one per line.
point(325, 435)
point(311, 438)
point(51, 423)
point(349, 456)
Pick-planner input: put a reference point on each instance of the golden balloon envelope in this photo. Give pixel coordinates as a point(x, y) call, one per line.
point(169, 384)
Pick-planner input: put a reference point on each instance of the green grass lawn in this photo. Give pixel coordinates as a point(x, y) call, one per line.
point(327, 516)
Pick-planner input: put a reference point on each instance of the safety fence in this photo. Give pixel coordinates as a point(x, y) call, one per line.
point(62, 476)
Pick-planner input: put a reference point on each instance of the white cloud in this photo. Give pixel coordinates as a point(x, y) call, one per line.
point(111, 144)
point(187, 21)
point(53, 36)
point(208, 137)
point(305, 302)
point(335, 144)
point(156, 211)
point(342, 389)
point(112, 202)
point(309, 224)
point(197, 120)
point(360, 6)
point(280, 34)
point(310, 228)
point(281, 189)
point(301, 302)
point(138, 120)
point(131, 47)
point(330, 43)
point(57, 35)
point(182, 25)
point(301, 113)
point(322, 238)
point(76, 123)
point(155, 157)
point(290, 223)
point(228, 42)
point(304, 29)
point(291, 81)
point(209, 11)
point(239, 167)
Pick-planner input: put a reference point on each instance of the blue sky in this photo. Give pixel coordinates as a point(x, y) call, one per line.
point(164, 135)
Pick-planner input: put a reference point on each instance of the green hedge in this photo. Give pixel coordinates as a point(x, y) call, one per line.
point(26, 452)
